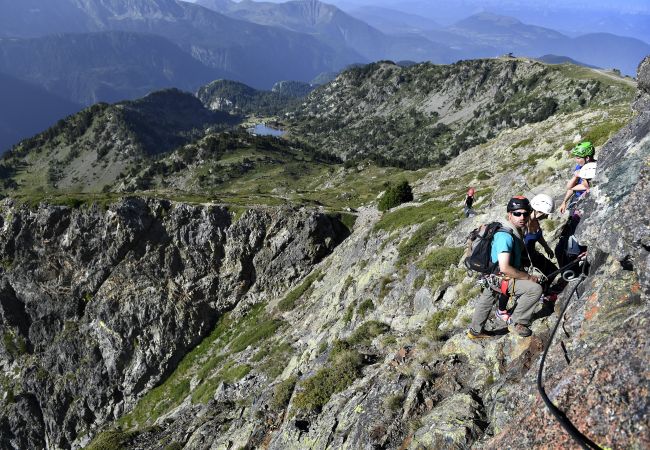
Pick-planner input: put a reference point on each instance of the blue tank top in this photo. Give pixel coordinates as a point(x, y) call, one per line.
point(578, 193)
point(531, 238)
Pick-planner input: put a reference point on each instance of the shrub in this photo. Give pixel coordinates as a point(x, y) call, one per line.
point(367, 332)
point(338, 375)
point(282, 393)
point(441, 258)
point(395, 195)
point(394, 402)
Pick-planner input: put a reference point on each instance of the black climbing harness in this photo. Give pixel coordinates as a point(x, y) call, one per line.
point(562, 419)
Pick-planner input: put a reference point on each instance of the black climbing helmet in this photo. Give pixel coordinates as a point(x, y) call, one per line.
point(519, 202)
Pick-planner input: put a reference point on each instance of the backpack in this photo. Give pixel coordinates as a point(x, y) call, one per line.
point(479, 248)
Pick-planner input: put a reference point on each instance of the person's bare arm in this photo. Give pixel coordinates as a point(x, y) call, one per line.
point(509, 271)
point(544, 244)
point(583, 186)
point(573, 181)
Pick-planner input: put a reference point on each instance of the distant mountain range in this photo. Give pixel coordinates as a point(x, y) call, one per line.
point(500, 34)
point(555, 59)
point(488, 35)
point(104, 66)
point(87, 51)
point(255, 54)
point(570, 17)
point(334, 27)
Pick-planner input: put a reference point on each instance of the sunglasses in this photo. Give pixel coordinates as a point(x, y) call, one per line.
point(519, 214)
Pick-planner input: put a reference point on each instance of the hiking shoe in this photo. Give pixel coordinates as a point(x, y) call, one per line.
point(503, 315)
point(520, 330)
point(477, 334)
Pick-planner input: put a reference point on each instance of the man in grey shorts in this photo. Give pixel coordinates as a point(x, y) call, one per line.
point(507, 250)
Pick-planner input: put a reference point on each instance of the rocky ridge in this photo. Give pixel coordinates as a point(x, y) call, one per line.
point(99, 306)
point(367, 349)
point(423, 114)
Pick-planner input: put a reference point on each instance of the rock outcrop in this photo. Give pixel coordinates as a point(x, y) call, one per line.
point(98, 307)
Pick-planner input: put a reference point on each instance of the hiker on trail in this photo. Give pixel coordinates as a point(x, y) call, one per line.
point(576, 186)
point(506, 254)
point(543, 206)
point(469, 201)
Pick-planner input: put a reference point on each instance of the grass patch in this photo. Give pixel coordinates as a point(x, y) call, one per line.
point(432, 327)
point(483, 175)
point(532, 159)
point(549, 225)
point(384, 287)
point(599, 134)
point(412, 215)
point(229, 373)
point(347, 283)
point(71, 200)
point(364, 307)
point(14, 344)
point(349, 312)
point(111, 440)
point(542, 176)
point(419, 281)
point(289, 302)
point(523, 143)
point(256, 329)
point(237, 212)
point(427, 233)
point(228, 336)
point(466, 292)
point(348, 220)
point(276, 360)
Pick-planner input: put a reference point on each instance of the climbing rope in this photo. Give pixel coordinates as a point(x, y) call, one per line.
point(562, 419)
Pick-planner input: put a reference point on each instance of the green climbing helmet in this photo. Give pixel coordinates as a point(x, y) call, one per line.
point(583, 149)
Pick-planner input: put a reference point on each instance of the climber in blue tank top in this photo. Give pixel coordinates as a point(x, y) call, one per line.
point(543, 205)
point(576, 187)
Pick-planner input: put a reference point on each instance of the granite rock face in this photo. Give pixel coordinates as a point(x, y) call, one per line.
point(618, 210)
point(98, 307)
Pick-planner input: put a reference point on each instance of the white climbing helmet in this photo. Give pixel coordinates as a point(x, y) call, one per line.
point(543, 203)
point(588, 171)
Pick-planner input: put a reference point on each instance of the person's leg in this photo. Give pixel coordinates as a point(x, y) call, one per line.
point(527, 294)
point(542, 262)
point(482, 309)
